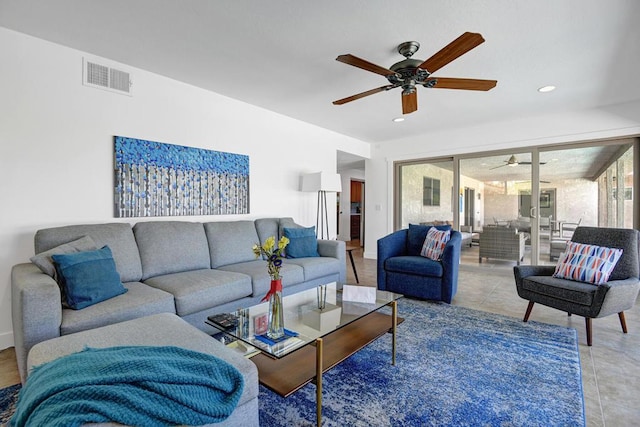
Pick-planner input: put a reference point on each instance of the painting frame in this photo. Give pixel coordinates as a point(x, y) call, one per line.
point(155, 179)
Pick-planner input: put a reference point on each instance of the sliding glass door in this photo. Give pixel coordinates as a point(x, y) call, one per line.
point(539, 194)
point(424, 193)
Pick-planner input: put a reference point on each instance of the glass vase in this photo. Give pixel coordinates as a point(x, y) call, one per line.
point(276, 313)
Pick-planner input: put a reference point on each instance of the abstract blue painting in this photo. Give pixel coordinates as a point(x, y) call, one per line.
point(157, 179)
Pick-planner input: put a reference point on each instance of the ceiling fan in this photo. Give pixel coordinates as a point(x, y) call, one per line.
point(410, 73)
point(513, 161)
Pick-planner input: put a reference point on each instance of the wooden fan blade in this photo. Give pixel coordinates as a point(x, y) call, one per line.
point(409, 103)
point(365, 65)
point(466, 84)
point(363, 94)
point(453, 50)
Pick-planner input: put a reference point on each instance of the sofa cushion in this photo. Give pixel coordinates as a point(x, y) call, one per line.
point(140, 300)
point(568, 290)
point(302, 242)
point(260, 281)
point(171, 247)
point(266, 227)
point(230, 242)
point(45, 263)
point(587, 263)
point(416, 236)
point(88, 277)
point(198, 290)
point(316, 267)
point(434, 243)
point(118, 236)
point(417, 265)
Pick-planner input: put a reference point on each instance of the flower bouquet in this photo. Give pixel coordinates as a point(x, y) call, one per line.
point(274, 254)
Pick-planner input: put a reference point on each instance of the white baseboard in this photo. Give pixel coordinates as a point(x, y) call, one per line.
point(6, 340)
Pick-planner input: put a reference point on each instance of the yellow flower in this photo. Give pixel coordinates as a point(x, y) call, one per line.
point(272, 254)
point(283, 243)
point(269, 244)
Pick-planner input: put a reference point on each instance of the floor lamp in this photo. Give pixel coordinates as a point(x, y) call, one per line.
point(322, 182)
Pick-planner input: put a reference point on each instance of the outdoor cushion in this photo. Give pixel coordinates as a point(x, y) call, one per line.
point(417, 265)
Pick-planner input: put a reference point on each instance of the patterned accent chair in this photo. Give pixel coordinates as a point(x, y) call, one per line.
point(401, 269)
point(537, 284)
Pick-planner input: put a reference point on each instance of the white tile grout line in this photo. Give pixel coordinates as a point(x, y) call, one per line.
point(595, 377)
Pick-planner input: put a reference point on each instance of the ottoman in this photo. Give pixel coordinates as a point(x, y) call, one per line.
point(163, 329)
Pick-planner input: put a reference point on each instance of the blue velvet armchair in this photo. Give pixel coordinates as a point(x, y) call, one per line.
point(401, 269)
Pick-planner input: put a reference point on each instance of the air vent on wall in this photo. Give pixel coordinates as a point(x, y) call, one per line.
point(105, 77)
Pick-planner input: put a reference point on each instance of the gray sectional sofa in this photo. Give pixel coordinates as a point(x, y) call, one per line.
point(192, 269)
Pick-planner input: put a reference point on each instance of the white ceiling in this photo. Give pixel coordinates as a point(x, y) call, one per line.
point(280, 55)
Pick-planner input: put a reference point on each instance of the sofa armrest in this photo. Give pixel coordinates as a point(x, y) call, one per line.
point(36, 308)
point(394, 244)
point(335, 249)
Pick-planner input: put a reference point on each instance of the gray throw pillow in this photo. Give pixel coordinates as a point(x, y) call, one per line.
point(44, 261)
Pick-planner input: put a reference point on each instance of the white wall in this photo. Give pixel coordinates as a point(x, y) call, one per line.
point(561, 127)
point(56, 146)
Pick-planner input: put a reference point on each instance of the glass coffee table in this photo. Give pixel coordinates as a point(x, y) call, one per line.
point(323, 337)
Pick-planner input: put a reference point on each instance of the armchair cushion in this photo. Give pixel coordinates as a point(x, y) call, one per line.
point(587, 263)
point(434, 243)
point(417, 265)
point(561, 289)
point(417, 234)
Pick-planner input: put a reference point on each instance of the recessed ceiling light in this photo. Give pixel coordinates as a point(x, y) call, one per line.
point(398, 119)
point(545, 89)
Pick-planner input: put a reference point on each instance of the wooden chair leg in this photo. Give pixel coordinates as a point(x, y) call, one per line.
point(528, 313)
point(588, 323)
point(623, 322)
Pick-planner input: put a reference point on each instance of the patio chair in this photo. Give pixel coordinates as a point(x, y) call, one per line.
point(537, 284)
point(569, 227)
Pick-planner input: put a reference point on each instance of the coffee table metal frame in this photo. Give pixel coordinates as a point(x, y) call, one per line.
point(348, 327)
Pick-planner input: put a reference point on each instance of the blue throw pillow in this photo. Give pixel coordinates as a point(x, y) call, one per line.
point(417, 234)
point(88, 277)
point(303, 242)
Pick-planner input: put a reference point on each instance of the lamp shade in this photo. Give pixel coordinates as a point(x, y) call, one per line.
point(321, 181)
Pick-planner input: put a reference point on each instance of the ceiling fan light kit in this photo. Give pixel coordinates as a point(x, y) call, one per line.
point(409, 73)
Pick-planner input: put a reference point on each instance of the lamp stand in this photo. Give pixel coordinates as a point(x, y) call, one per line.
point(322, 218)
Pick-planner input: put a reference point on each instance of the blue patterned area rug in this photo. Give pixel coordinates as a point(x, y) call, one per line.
point(454, 367)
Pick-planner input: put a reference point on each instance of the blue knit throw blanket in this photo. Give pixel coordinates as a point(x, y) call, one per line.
point(138, 386)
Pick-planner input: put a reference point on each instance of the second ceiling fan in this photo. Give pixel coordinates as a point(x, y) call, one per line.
point(513, 161)
point(410, 73)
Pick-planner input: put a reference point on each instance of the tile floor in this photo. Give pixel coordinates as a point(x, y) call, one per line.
point(610, 368)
